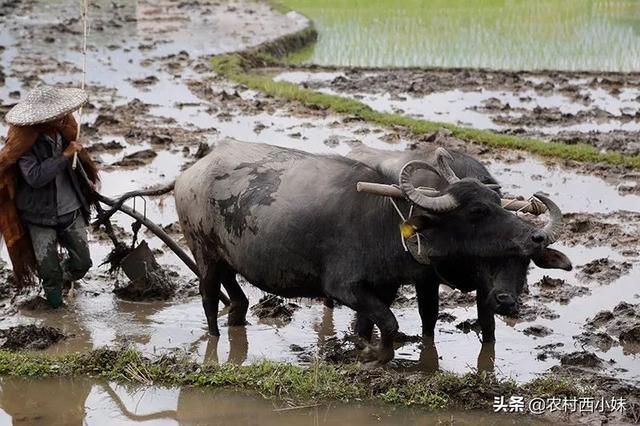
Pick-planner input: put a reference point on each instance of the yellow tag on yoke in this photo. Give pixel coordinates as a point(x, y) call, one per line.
point(407, 230)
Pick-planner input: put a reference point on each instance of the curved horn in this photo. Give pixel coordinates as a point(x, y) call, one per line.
point(442, 159)
point(554, 227)
point(437, 204)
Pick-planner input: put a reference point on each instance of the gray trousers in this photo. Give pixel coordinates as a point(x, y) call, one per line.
point(51, 269)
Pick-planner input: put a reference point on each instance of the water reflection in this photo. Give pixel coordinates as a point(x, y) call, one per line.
point(79, 402)
point(52, 402)
point(238, 346)
point(429, 360)
point(325, 327)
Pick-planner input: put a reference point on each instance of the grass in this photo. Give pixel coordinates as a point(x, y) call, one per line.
point(318, 382)
point(238, 67)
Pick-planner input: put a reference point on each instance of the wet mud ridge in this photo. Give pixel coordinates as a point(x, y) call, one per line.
point(29, 337)
point(604, 270)
point(274, 308)
point(156, 284)
point(622, 323)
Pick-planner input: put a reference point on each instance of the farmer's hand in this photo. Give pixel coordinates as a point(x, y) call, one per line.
point(72, 148)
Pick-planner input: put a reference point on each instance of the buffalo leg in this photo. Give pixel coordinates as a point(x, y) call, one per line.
point(487, 357)
point(486, 318)
point(371, 307)
point(429, 361)
point(364, 327)
point(210, 293)
point(239, 302)
point(428, 306)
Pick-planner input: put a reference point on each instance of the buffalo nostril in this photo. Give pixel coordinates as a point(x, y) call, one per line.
point(538, 237)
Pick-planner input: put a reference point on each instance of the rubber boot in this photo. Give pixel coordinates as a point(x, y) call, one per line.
point(54, 297)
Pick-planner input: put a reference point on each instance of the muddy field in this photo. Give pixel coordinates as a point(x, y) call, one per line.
point(598, 108)
point(155, 107)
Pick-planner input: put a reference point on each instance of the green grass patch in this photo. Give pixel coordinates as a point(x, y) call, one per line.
point(319, 382)
point(236, 67)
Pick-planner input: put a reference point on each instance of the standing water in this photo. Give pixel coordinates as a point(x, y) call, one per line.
point(80, 401)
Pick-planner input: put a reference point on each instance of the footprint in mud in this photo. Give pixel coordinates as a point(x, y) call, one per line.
point(604, 270)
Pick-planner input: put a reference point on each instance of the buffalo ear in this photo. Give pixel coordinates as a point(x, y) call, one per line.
point(553, 259)
point(421, 222)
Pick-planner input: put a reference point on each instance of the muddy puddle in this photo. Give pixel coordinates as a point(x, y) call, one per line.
point(600, 108)
point(86, 402)
point(186, 107)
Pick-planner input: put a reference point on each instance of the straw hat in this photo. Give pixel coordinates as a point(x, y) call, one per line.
point(45, 103)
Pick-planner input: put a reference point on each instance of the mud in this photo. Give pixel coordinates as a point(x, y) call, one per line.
point(582, 359)
point(619, 229)
point(604, 270)
point(550, 350)
point(468, 326)
point(137, 159)
point(537, 331)
point(157, 284)
point(274, 308)
point(557, 290)
point(29, 337)
point(6, 279)
point(622, 323)
point(599, 108)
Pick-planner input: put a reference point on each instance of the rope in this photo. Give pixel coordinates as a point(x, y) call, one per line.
point(402, 240)
point(74, 164)
point(85, 30)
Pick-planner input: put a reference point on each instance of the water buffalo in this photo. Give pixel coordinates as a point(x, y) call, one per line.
point(483, 279)
point(293, 224)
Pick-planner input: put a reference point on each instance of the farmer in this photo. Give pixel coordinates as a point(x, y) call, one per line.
point(44, 202)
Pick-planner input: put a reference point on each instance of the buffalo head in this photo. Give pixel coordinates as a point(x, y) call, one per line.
point(471, 241)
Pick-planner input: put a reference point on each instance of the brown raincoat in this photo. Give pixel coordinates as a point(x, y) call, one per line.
point(19, 140)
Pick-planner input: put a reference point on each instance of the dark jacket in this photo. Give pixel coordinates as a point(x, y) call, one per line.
point(36, 190)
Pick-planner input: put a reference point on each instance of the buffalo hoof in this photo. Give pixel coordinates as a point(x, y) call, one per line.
point(238, 314)
point(368, 354)
point(378, 354)
point(372, 365)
